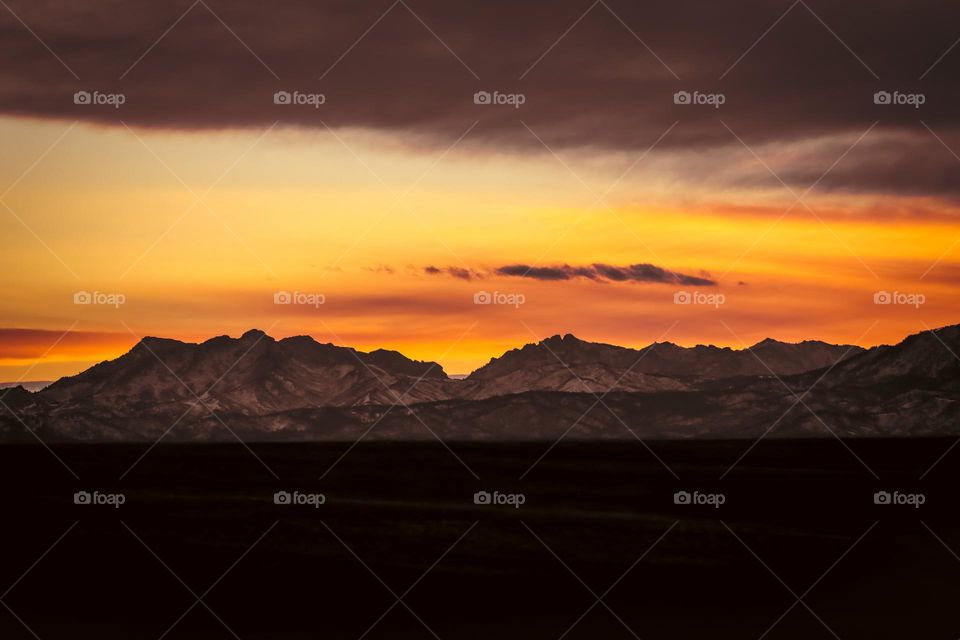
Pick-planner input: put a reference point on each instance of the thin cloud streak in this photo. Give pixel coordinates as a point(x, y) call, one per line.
point(640, 273)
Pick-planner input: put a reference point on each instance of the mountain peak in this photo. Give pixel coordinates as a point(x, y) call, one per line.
point(396, 361)
point(664, 345)
point(299, 341)
point(253, 334)
point(768, 342)
point(153, 342)
point(14, 399)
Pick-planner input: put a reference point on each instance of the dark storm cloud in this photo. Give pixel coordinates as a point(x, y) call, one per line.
point(605, 273)
point(597, 87)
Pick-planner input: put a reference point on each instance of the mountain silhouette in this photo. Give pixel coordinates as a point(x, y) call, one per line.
point(253, 374)
point(566, 363)
point(298, 388)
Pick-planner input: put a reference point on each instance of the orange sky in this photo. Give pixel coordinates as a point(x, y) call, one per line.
point(357, 218)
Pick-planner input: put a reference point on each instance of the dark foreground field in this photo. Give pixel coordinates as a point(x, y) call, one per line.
point(400, 550)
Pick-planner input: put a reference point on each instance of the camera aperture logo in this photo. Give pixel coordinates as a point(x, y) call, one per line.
point(496, 98)
point(499, 297)
point(897, 498)
point(99, 298)
point(699, 298)
point(714, 100)
point(897, 98)
point(98, 498)
point(96, 98)
point(697, 498)
point(299, 499)
point(299, 297)
point(297, 98)
point(486, 498)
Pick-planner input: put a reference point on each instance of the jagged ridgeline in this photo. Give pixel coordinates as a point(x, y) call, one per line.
point(299, 389)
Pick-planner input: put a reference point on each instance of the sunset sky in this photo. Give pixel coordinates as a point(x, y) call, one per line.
point(399, 199)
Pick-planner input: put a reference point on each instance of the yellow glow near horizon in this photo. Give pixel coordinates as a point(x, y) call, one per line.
point(298, 211)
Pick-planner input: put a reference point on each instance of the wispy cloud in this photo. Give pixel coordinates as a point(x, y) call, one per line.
point(597, 272)
point(455, 272)
point(600, 272)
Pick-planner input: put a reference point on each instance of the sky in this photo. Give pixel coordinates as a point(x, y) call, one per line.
point(391, 205)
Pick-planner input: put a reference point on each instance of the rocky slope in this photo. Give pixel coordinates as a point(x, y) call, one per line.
point(251, 375)
point(298, 389)
point(569, 364)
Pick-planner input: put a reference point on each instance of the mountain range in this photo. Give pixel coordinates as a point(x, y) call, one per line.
point(259, 388)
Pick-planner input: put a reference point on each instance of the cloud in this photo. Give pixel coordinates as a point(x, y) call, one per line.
point(460, 273)
point(605, 273)
point(596, 87)
point(597, 272)
point(564, 272)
